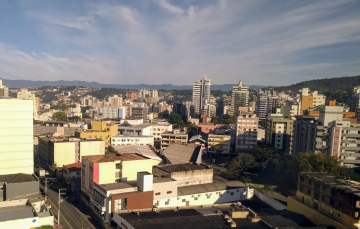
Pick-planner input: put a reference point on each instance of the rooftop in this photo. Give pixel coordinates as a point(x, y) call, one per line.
point(179, 154)
point(16, 212)
point(210, 187)
point(132, 136)
point(211, 124)
point(118, 185)
point(143, 150)
point(181, 167)
point(113, 157)
point(17, 178)
point(162, 180)
point(76, 165)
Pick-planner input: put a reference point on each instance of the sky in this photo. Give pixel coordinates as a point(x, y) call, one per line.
point(177, 42)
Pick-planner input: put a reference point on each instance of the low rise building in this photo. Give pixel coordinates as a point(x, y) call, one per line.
point(132, 140)
point(72, 176)
point(208, 127)
point(64, 150)
point(219, 144)
point(327, 200)
point(179, 154)
point(173, 137)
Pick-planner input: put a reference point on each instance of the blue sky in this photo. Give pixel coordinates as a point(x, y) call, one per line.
point(162, 41)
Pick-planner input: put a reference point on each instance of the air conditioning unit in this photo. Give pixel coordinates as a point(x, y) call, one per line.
point(154, 209)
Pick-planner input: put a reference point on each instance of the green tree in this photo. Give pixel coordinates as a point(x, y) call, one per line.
point(84, 109)
point(111, 150)
point(321, 162)
point(84, 115)
point(176, 119)
point(53, 167)
point(59, 116)
point(36, 122)
point(214, 120)
point(75, 118)
point(240, 163)
point(265, 154)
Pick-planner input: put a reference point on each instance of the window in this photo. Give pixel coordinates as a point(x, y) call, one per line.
point(118, 166)
point(302, 178)
point(231, 193)
point(309, 192)
point(322, 198)
point(183, 200)
point(310, 182)
point(168, 192)
point(332, 202)
point(195, 198)
point(157, 193)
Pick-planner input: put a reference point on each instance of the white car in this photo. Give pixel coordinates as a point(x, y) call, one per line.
point(54, 180)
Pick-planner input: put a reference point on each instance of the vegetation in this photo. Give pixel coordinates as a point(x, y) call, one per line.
point(37, 122)
point(59, 116)
point(110, 150)
point(176, 119)
point(84, 109)
point(227, 119)
point(53, 167)
point(84, 115)
point(75, 118)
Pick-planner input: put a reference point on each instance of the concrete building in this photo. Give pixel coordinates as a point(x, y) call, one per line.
point(219, 144)
point(104, 169)
point(72, 176)
point(132, 140)
point(18, 185)
point(326, 200)
point(149, 93)
point(183, 109)
point(4, 91)
point(239, 98)
point(109, 112)
point(64, 150)
point(246, 130)
point(201, 92)
point(308, 100)
point(116, 101)
point(305, 135)
point(88, 100)
point(173, 137)
point(180, 154)
point(208, 127)
point(99, 130)
point(144, 129)
point(60, 127)
point(140, 113)
point(74, 111)
point(158, 129)
point(122, 112)
point(24, 94)
point(262, 105)
point(16, 136)
point(23, 214)
point(279, 133)
point(131, 95)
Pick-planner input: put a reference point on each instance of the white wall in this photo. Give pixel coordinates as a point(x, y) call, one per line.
point(132, 140)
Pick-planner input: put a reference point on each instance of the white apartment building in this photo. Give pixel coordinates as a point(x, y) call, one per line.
point(246, 131)
point(262, 105)
point(152, 93)
point(141, 129)
point(116, 101)
point(201, 92)
point(239, 98)
point(132, 140)
point(74, 111)
point(158, 129)
point(24, 94)
point(16, 136)
point(88, 100)
point(4, 91)
point(109, 112)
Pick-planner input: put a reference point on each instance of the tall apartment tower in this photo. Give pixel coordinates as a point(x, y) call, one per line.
point(16, 136)
point(239, 98)
point(246, 131)
point(354, 104)
point(201, 93)
point(4, 91)
point(262, 105)
point(25, 94)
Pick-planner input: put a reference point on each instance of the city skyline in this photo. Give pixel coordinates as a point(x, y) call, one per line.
point(162, 42)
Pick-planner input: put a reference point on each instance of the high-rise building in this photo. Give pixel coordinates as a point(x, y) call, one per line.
point(88, 100)
point(201, 92)
point(246, 131)
point(183, 109)
point(24, 94)
point(152, 93)
point(262, 105)
point(116, 101)
point(355, 102)
point(240, 98)
point(4, 91)
point(131, 95)
point(16, 136)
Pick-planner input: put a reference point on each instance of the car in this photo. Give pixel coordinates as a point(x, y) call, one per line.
point(222, 164)
point(74, 200)
point(54, 180)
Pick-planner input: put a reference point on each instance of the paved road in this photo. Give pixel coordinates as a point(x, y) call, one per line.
point(70, 214)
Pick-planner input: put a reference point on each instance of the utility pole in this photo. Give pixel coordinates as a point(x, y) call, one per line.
point(60, 189)
point(46, 187)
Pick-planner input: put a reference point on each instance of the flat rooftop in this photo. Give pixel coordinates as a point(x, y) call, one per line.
point(210, 187)
point(196, 218)
point(17, 178)
point(143, 150)
point(113, 157)
point(132, 136)
point(182, 167)
point(118, 185)
point(157, 180)
point(16, 212)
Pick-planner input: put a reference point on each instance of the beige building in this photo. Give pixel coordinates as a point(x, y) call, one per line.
point(16, 136)
point(64, 150)
point(246, 131)
point(219, 143)
point(24, 94)
point(308, 100)
point(120, 140)
point(4, 91)
point(173, 137)
point(279, 132)
point(116, 101)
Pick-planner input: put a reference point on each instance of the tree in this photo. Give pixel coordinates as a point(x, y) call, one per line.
point(37, 122)
point(321, 162)
point(265, 154)
point(84, 109)
point(242, 162)
point(214, 120)
point(53, 167)
point(75, 118)
point(176, 119)
point(111, 150)
point(59, 116)
point(84, 115)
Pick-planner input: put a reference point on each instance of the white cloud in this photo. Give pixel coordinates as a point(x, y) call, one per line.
point(165, 4)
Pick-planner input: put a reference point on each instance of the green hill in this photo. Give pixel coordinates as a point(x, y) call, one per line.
point(334, 88)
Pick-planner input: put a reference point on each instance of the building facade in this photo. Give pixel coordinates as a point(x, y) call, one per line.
point(201, 92)
point(239, 98)
point(132, 140)
point(246, 131)
point(279, 133)
point(4, 91)
point(173, 137)
point(16, 136)
point(262, 105)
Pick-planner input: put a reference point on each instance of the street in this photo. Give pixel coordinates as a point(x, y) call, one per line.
point(71, 216)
